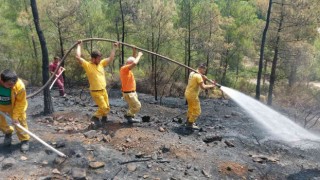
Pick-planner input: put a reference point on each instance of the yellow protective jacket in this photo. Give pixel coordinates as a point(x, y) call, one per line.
point(19, 100)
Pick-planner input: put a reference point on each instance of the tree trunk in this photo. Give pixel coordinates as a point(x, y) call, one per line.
point(224, 75)
point(237, 69)
point(156, 50)
point(293, 74)
point(186, 75)
point(123, 33)
point(60, 40)
point(189, 36)
point(118, 39)
point(61, 47)
point(36, 68)
point(48, 107)
point(149, 56)
point(273, 71)
point(209, 51)
point(225, 67)
point(293, 68)
point(208, 63)
point(154, 70)
point(263, 41)
point(275, 58)
point(265, 72)
point(155, 79)
point(188, 43)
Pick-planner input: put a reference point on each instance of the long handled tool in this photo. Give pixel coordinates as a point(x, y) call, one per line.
point(56, 78)
point(33, 135)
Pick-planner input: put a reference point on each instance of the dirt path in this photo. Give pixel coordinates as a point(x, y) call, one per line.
point(229, 146)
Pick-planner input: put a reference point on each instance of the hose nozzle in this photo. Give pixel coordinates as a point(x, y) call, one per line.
point(218, 85)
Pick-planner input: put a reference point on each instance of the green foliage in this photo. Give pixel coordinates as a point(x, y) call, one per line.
point(224, 33)
point(241, 27)
point(244, 86)
point(315, 66)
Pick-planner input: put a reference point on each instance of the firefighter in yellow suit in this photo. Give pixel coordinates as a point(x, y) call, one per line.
point(195, 83)
point(13, 102)
point(97, 80)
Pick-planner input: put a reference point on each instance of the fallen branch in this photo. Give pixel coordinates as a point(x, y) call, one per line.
point(116, 173)
point(163, 161)
point(135, 160)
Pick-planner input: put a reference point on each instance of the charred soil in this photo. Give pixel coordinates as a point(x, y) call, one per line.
point(230, 145)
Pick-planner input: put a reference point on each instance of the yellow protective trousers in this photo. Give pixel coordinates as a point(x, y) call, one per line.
point(100, 97)
point(133, 103)
point(6, 129)
point(194, 109)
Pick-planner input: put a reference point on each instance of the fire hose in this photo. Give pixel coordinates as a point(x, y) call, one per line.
point(125, 44)
point(33, 135)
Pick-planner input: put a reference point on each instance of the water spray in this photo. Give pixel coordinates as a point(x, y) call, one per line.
point(274, 122)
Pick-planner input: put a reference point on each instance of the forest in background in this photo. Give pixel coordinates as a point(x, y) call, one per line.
point(226, 34)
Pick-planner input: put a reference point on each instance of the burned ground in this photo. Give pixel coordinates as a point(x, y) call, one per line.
point(230, 144)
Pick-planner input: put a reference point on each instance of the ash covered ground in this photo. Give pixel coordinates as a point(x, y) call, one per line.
point(230, 144)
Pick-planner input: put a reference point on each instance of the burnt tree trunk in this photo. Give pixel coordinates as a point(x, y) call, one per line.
point(186, 60)
point(48, 107)
point(189, 38)
point(60, 40)
point(156, 49)
point(265, 72)
point(263, 42)
point(123, 33)
point(36, 68)
point(209, 51)
point(154, 66)
point(61, 46)
point(275, 58)
point(188, 43)
point(118, 39)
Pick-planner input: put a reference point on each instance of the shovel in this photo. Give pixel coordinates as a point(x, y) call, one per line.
point(56, 78)
point(34, 136)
